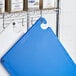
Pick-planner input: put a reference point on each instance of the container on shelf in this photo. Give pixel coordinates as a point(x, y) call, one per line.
point(2, 6)
point(13, 5)
point(31, 4)
point(48, 4)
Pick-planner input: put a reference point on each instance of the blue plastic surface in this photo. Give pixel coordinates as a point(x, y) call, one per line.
point(38, 53)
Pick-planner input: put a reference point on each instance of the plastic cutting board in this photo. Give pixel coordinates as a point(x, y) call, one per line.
point(38, 53)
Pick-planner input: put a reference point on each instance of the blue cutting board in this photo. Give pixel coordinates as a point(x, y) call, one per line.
point(38, 53)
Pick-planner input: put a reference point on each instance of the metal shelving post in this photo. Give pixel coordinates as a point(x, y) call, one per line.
point(58, 18)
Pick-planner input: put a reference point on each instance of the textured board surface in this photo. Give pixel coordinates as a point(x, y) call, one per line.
point(38, 53)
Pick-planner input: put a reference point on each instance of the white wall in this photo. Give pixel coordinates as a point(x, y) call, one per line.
point(68, 26)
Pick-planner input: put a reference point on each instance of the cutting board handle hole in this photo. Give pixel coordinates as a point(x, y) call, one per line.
point(44, 26)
